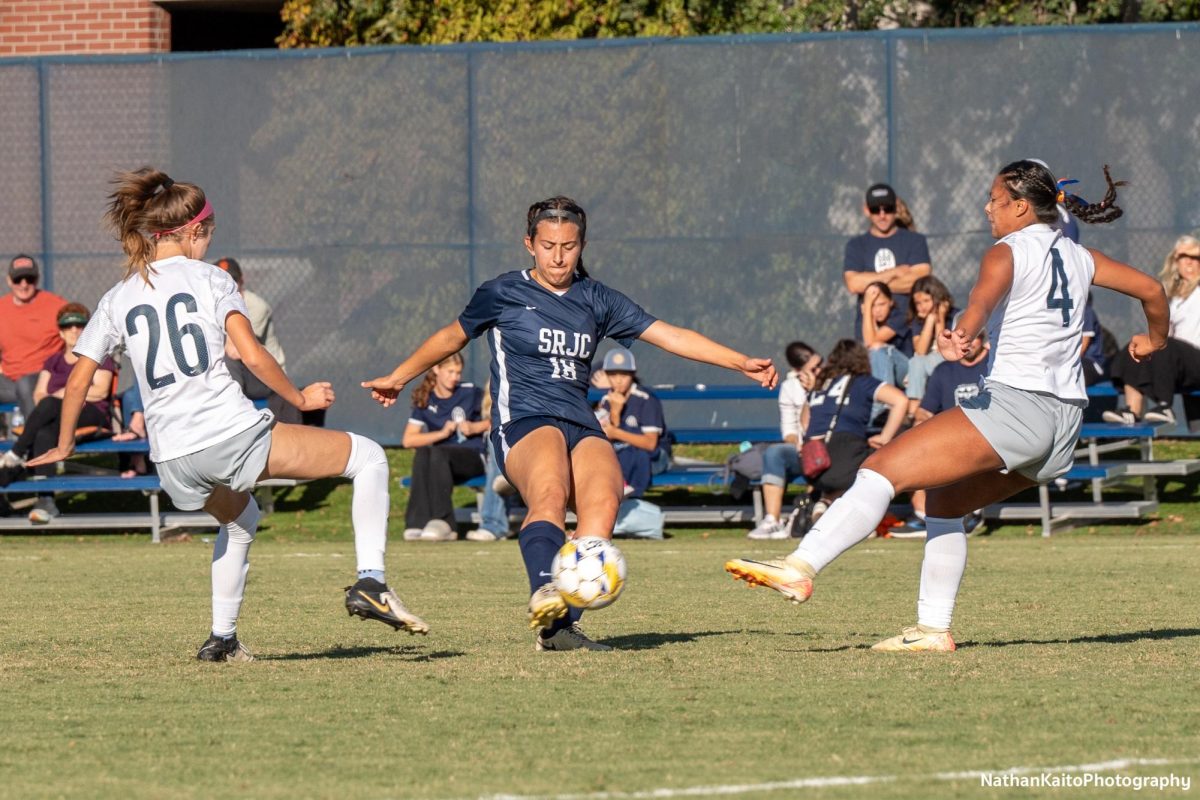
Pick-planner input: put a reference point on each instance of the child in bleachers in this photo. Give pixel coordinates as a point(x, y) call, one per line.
point(632, 419)
point(929, 306)
point(888, 348)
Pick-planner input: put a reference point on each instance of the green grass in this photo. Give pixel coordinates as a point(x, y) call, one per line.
point(1073, 650)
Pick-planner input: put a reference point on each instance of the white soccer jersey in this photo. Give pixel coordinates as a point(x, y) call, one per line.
point(1036, 332)
point(174, 333)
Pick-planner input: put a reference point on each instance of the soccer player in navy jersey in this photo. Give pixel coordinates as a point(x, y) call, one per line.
point(543, 325)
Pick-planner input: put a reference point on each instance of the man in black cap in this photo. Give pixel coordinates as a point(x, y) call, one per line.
point(28, 332)
point(891, 254)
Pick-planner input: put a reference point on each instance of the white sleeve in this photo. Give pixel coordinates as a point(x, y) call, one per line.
point(101, 336)
point(418, 424)
point(792, 399)
point(226, 297)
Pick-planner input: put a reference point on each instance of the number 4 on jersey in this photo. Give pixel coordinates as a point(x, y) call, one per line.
point(1058, 279)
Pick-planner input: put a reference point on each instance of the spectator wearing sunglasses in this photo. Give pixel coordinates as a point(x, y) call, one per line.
point(28, 333)
point(892, 254)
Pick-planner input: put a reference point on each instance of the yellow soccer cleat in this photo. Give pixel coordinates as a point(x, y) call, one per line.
point(778, 574)
point(546, 605)
point(914, 640)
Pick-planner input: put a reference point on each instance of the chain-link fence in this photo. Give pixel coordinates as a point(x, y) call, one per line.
point(367, 191)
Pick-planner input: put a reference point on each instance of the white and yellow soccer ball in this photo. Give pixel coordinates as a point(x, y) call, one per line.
point(589, 572)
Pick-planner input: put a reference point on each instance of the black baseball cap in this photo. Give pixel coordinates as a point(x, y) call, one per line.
point(880, 194)
point(23, 266)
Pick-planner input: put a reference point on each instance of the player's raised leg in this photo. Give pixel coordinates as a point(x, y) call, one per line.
point(306, 453)
point(912, 460)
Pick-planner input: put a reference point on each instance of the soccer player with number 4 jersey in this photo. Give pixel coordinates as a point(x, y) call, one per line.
point(1019, 431)
point(543, 326)
point(172, 313)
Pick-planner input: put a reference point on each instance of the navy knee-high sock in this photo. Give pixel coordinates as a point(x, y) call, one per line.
point(539, 542)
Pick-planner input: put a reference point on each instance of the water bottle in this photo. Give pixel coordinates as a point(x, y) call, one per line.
point(17, 421)
point(459, 416)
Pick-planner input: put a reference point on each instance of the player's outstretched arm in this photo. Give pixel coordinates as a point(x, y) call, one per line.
point(995, 280)
point(1125, 279)
point(73, 399)
point(264, 366)
point(434, 350)
point(698, 347)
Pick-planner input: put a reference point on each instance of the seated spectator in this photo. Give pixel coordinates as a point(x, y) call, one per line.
point(447, 432)
point(951, 383)
point(1093, 358)
point(781, 462)
point(632, 419)
point(1150, 385)
point(846, 389)
point(262, 322)
point(494, 523)
point(133, 423)
point(41, 426)
point(27, 333)
point(929, 306)
point(888, 344)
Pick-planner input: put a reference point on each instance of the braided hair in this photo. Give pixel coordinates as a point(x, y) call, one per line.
point(1033, 182)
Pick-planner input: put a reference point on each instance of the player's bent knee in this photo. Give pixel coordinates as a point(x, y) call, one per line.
point(365, 455)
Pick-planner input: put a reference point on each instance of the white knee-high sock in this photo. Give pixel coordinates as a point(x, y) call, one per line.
point(231, 562)
point(848, 521)
point(941, 571)
point(368, 468)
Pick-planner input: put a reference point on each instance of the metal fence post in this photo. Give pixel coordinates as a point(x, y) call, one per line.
point(47, 205)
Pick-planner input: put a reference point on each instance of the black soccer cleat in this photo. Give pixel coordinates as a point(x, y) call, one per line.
point(371, 599)
point(218, 649)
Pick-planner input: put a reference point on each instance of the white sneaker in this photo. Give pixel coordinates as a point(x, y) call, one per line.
point(484, 535)
point(11, 460)
point(413, 534)
point(1119, 417)
point(436, 530)
point(819, 508)
point(769, 528)
point(1162, 414)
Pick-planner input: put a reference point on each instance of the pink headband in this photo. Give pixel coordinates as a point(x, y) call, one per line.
point(204, 214)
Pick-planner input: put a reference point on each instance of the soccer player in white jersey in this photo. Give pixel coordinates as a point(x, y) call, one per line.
point(1018, 432)
point(543, 326)
point(172, 311)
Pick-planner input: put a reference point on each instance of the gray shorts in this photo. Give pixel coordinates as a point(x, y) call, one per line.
point(236, 462)
point(1033, 432)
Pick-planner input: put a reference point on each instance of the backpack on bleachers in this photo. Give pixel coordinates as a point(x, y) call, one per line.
point(744, 467)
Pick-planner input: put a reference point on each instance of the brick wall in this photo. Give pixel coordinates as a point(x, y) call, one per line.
point(37, 27)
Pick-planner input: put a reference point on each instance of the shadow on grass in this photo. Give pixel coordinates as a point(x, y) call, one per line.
point(1104, 638)
point(407, 652)
point(649, 641)
point(306, 497)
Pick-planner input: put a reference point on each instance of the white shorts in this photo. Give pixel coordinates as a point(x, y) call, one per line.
point(1033, 432)
point(236, 462)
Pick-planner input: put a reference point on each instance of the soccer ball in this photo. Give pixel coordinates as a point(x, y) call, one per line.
point(589, 572)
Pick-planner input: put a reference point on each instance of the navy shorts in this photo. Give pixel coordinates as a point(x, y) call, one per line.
point(507, 437)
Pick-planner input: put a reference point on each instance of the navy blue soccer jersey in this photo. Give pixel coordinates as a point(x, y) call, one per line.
point(950, 384)
point(642, 413)
point(543, 342)
point(855, 415)
point(465, 404)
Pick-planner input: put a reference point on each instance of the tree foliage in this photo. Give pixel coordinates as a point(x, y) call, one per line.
point(325, 23)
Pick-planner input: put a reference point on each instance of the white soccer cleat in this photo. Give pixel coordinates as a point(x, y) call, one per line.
point(778, 574)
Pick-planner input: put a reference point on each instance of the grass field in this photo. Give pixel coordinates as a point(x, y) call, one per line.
point(1077, 650)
